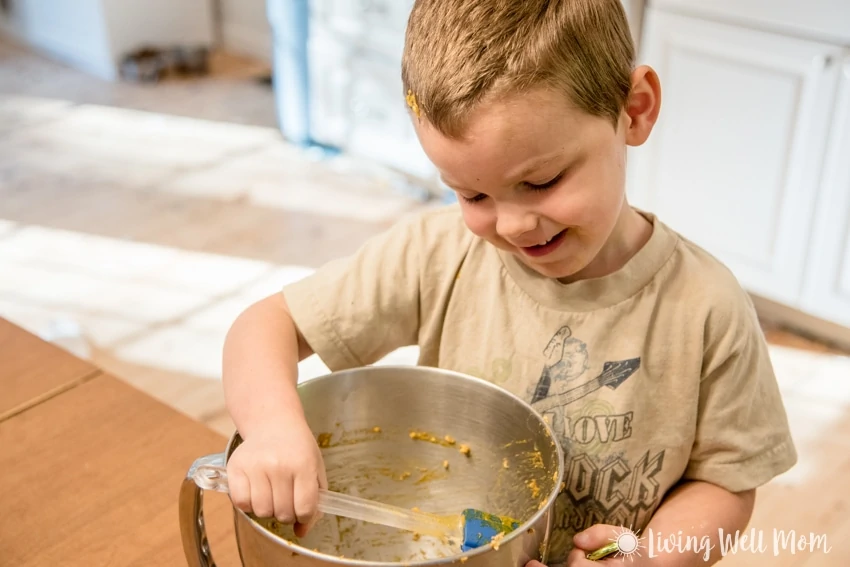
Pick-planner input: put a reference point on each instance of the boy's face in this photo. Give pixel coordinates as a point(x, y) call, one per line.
point(542, 180)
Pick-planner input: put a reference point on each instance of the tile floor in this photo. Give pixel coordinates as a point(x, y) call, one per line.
point(141, 227)
point(151, 216)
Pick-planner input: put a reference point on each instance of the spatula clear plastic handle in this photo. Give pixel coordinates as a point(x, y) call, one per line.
point(338, 504)
point(210, 473)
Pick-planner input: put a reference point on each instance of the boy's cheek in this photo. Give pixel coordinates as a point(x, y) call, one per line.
point(477, 222)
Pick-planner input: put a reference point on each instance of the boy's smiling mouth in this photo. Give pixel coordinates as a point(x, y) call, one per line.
point(545, 248)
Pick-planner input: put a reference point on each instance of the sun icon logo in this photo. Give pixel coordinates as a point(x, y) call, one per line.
point(625, 543)
point(628, 542)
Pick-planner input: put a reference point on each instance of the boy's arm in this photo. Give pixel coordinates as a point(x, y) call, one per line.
point(700, 510)
point(260, 365)
point(278, 469)
point(692, 514)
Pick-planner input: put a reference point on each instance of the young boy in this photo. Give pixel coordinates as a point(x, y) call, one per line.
point(640, 348)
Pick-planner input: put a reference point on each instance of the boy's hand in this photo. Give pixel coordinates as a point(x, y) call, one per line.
point(596, 537)
point(591, 539)
point(277, 472)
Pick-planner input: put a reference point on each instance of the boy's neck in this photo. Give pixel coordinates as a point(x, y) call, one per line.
point(630, 234)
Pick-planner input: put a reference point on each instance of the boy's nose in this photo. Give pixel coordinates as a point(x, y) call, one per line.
point(517, 226)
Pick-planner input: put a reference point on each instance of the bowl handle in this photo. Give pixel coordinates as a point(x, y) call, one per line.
point(206, 473)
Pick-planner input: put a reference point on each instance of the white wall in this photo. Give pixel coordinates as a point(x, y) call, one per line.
point(132, 24)
point(245, 28)
point(634, 12)
point(73, 32)
point(94, 35)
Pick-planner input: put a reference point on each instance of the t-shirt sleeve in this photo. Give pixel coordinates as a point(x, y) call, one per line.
point(743, 439)
point(354, 310)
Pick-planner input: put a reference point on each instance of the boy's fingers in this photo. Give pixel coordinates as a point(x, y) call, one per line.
point(240, 490)
point(595, 537)
point(306, 499)
point(281, 495)
point(302, 527)
point(534, 563)
point(261, 496)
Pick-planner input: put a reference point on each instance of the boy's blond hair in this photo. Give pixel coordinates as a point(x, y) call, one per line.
point(459, 51)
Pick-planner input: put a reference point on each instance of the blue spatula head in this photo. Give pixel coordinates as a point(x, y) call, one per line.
point(479, 528)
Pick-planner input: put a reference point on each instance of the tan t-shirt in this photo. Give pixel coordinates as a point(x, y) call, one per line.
point(652, 374)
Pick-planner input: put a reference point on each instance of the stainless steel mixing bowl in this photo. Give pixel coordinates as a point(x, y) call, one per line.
point(399, 435)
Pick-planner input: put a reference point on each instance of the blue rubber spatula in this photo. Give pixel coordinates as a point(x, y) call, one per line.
point(471, 528)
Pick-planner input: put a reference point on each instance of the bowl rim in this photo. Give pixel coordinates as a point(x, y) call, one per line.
point(550, 499)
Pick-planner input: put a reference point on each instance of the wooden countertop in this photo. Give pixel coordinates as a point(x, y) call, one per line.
point(33, 370)
point(92, 467)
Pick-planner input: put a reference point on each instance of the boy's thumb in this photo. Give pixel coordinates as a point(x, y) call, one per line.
point(593, 537)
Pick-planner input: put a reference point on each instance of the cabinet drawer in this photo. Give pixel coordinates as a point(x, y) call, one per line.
point(825, 20)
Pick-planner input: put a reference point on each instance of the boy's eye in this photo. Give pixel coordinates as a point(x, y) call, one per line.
point(474, 199)
point(532, 186)
point(543, 186)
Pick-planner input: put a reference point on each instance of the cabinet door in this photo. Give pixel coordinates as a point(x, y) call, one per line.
point(357, 104)
point(376, 24)
point(734, 161)
point(827, 288)
point(380, 126)
point(330, 77)
point(75, 32)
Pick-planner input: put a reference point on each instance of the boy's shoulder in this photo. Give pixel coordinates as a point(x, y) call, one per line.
point(703, 282)
point(701, 263)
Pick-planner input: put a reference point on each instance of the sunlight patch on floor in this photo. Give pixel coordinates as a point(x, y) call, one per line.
point(188, 156)
point(816, 391)
point(149, 305)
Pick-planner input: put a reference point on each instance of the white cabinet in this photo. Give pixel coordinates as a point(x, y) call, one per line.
point(245, 28)
point(827, 291)
point(827, 20)
point(634, 14)
point(94, 35)
point(735, 160)
point(356, 99)
point(377, 24)
point(75, 33)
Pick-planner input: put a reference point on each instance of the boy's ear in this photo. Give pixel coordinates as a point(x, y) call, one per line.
point(643, 105)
